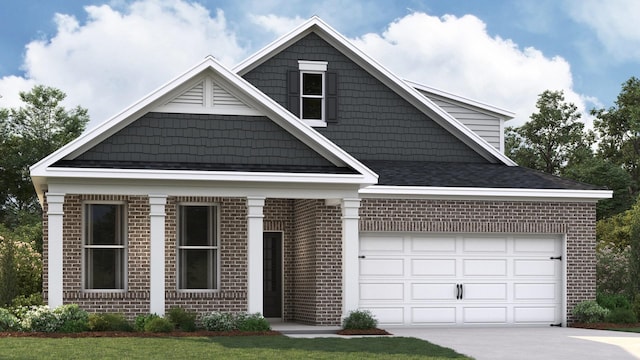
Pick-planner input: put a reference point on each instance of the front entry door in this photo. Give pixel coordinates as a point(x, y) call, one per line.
point(272, 284)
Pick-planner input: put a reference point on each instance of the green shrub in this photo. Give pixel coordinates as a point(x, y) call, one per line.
point(622, 316)
point(109, 322)
point(613, 301)
point(635, 306)
point(253, 322)
point(589, 312)
point(359, 319)
point(40, 319)
point(31, 300)
point(219, 321)
point(142, 320)
point(182, 319)
point(158, 324)
point(8, 321)
point(72, 319)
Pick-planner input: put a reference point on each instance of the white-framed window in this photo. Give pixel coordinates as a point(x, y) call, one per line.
point(312, 92)
point(198, 249)
point(104, 247)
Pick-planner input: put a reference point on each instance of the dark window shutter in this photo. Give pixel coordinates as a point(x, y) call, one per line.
point(293, 92)
point(331, 100)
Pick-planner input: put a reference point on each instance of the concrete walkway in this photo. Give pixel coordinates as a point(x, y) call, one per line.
point(530, 343)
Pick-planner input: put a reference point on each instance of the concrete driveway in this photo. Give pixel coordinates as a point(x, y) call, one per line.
point(530, 343)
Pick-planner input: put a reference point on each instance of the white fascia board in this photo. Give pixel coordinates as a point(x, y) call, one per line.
point(176, 175)
point(403, 89)
point(493, 110)
point(420, 192)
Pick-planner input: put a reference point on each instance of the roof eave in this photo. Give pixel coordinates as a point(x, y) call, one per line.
point(474, 193)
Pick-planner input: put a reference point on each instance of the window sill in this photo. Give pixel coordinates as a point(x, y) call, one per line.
point(315, 123)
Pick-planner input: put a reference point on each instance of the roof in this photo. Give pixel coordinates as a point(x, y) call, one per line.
point(402, 88)
point(446, 174)
point(498, 112)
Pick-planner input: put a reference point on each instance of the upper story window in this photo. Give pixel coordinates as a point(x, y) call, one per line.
point(104, 247)
point(313, 93)
point(312, 96)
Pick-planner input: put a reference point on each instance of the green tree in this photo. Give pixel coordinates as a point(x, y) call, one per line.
point(619, 130)
point(587, 168)
point(552, 135)
point(28, 134)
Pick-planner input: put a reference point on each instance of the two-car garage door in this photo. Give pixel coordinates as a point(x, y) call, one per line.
point(417, 279)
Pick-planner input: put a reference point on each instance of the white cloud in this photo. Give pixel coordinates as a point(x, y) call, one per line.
point(457, 55)
point(278, 25)
point(118, 56)
point(615, 24)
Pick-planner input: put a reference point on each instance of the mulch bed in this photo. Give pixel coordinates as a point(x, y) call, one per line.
point(604, 326)
point(363, 332)
point(137, 334)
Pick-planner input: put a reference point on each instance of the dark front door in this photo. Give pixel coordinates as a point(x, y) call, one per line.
point(272, 265)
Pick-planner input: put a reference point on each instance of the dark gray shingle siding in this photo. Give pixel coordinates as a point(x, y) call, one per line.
point(374, 123)
point(207, 139)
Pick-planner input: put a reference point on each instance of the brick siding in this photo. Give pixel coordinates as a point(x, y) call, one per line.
point(312, 248)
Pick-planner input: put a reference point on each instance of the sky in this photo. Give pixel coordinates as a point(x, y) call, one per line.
point(106, 55)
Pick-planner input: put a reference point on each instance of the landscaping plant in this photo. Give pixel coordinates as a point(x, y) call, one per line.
point(589, 312)
point(182, 319)
point(359, 320)
point(158, 325)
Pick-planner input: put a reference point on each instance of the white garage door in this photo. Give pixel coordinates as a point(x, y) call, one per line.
point(416, 279)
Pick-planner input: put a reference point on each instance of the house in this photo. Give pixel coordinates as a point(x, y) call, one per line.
point(307, 182)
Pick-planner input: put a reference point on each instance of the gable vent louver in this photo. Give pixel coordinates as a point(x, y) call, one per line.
point(193, 96)
point(207, 96)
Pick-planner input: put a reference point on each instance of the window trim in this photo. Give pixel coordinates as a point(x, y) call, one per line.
point(313, 67)
point(124, 246)
point(216, 247)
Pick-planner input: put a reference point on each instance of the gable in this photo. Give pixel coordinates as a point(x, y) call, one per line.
point(373, 122)
point(204, 142)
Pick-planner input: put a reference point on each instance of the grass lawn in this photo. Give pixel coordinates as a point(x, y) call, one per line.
point(234, 347)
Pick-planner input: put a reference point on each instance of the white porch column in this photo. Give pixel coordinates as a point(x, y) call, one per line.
point(55, 235)
point(255, 227)
point(350, 253)
point(157, 259)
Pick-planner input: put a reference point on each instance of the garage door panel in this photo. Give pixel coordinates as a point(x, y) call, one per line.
point(387, 315)
point(433, 267)
point(484, 315)
point(485, 245)
point(381, 267)
point(524, 291)
point(535, 245)
point(425, 291)
point(386, 244)
point(485, 291)
point(382, 291)
point(485, 267)
point(543, 267)
point(431, 245)
point(433, 315)
point(529, 315)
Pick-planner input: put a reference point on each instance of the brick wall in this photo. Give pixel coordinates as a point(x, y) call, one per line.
point(575, 220)
point(233, 252)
